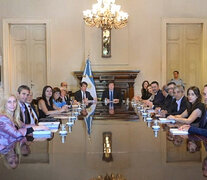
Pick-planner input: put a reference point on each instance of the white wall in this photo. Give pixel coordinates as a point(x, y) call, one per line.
point(136, 47)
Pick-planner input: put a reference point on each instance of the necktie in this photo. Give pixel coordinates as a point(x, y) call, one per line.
point(84, 95)
point(27, 116)
point(32, 114)
point(111, 96)
point(111, 105)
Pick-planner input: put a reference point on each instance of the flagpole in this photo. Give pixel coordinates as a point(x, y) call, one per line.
point(88, 55)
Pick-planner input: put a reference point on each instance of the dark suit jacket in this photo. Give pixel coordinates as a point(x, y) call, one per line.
point(78, 96)
point(167, 103)
point(199, 131)
point(158, 99)
point(183, 106)
point(34, 109)
point(116, 94)
point(27, 116)
point(67, 99)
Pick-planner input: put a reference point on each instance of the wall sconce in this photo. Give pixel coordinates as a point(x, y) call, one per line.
point(106, 43)
point(107, 147)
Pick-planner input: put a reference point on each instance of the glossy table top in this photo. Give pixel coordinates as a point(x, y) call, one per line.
point(136, 153)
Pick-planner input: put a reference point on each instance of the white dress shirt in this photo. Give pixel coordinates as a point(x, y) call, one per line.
point(178, 103)
point(83, 95)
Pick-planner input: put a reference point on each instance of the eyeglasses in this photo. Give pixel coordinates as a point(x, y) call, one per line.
point(176, 92)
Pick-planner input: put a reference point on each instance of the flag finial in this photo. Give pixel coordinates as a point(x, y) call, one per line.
point(89, 54)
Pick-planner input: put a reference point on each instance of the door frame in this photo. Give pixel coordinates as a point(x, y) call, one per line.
point(7, 78)
point(166, 21)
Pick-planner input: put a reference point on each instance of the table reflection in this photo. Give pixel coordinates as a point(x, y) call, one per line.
point(87, 146)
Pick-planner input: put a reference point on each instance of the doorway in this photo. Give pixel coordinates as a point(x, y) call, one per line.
point(26, 57)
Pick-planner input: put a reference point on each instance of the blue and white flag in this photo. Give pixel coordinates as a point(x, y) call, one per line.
point(88, 78)
point(89, 118)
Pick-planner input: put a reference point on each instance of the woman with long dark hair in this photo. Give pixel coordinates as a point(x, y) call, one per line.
point(145, 94)
point(195, 108)
point(57, 99)
point(46, 105)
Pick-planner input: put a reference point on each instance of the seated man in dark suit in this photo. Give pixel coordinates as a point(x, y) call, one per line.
point(111, 94)
point(179, 104)
point(168, 92)
point(158, 98)
point(22, 94)
point(82, 94)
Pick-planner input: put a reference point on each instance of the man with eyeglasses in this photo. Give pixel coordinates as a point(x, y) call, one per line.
point(179, 103)
point(167, 91)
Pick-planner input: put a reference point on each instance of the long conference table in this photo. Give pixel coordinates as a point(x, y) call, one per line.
point(105, 140)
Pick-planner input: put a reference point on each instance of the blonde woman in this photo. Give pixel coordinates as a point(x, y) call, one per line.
point(11, 127)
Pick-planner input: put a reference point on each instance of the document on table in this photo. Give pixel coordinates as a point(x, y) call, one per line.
point(42, 134)
point(50, 125)
point(176, 131)
point(165, 120)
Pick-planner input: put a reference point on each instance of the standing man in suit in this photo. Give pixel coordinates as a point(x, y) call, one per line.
point(158, 98)
point(111, 94)
point(82, 94)
point(31, 108)
point(22, 94)
point(176, 79)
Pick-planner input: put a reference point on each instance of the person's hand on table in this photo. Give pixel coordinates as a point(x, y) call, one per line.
point(85, 100)
point(171, 117)
point(148, 103)
point(75, 102)
point(64, 108)
point(163, 113)
point(107, 100)
point(40, 128)
point(184, 127)
point(137, 98)
point(157, 109)
point(116, 101)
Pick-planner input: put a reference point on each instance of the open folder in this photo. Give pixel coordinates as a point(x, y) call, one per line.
point(176, 131)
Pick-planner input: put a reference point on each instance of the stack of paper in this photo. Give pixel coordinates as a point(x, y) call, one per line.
point(53, 126)
point(150, 110)
point(42, 134)
point(165, 120)
point(50, 125)
point(176, 131)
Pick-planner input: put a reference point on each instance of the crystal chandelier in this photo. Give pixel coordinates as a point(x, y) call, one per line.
point(105, 14)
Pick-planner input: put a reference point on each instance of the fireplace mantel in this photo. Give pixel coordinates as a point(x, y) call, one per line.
point(123, 79)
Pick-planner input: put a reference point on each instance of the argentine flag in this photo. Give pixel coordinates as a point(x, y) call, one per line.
point(88, 78)
point(89, 118)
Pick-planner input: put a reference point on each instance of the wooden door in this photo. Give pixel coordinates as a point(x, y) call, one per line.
point(184, 48)
point(28, 57)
